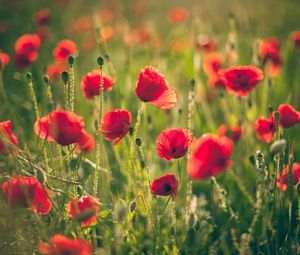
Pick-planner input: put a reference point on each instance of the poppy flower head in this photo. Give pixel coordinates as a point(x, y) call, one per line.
point(8, 140)
point(288, 115)
point(165, 185)
point(212, 63)
point(265, 128)
point(205, 44)
point(42, 17)
point(210, 156)
point(60, 126)
point(173, 143)
point(295, 35)
point(86, 144)
point(4, 59)
point(54, 70)
point(282, 180)
point(90, 83)
point(115, 125)
point(241, 79)
point(178, 15)
point(234, 132)
point(84, 210)
point(64, 49)
point(26, 192)
point(152, 87)
point(61, 245)
point(26, 49)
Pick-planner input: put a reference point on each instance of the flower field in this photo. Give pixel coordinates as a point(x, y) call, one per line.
point(149, 127)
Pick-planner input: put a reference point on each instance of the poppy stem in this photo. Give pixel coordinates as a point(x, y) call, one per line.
point(50, 102)
point(178, 169)
point(33, 95)
point(72, 84)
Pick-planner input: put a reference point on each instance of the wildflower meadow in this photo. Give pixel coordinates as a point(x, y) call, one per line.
point(149, 127)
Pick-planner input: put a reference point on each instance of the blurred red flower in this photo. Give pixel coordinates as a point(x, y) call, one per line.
point(210, 156)
point(288, 115)
point(282, 181)
point(178, 15)
point(295, 35)
point(26, 192)
point(165, 185)
point(115, 124)
point(212, 63)
point(64, 49)
point(265, 128)
point(4, 58)
point(86, 144)
point(61, 245)
point(269, 52)
point(84, 210)
point(55, 69)
point(234, 132)
point(241, 79)
point(60, 126)
point(152, 87)
point(90, 83)
point(8, 140)
point(173, 143)
point(205, 44)
point(26, 49)
point(42, 17)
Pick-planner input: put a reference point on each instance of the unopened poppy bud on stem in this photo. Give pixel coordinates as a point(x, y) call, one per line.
point(100, 61)
point(65, 77)
point(138, 142)
point(132, 206)
point(278, 146)
point(71, 60)
point(28, 76)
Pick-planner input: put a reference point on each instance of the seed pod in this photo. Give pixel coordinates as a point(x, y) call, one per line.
point(138, 142)
point(71, 60)
point(132, 206)
point(65, 77)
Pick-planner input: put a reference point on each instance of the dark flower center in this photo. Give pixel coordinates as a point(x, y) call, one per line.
point(167, 187)
point(174, 150)
point(271, 126)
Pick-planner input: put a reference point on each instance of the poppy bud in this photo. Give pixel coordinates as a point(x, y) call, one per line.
point(131, 130)
point(252, 159)
point(193, 82)
point(278, 146)
point(28, 76)
point(100, 61)
point(65, 77)
point(71, 60)
point(138, 142)
point(132, 206)
point(46, 79)
point(276, 116)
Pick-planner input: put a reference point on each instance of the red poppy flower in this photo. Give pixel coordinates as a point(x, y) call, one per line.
point(173, 143)
point(178, 15)
point(210, 156)
point(115, 124)
point(61, 245)
point(282, 181)
point(241, 79)
point(152, 87)
point(212, 63)
point(288, 115)
point(26, 49)
point(205, 44)
point(234, 132)
point(296, 38)
point(265, 128)
point(86, 144)
point(84, 210)
point(54, 70)
point(60, 126)
point(165, 185)
point(42, 17)
point(64, 49)
point(90, 83)
point(8, 140)
point(4, 58)
point(26, 192)
point(269, 52)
